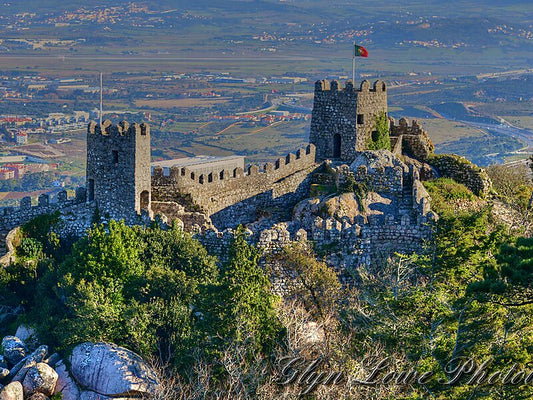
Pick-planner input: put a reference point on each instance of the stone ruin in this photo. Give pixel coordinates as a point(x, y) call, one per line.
point(274, 199)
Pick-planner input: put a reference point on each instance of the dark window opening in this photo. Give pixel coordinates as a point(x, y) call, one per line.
point(201, 179)
point(235, 173)
point(210, 178)
point(337, 146)
point(90, 194)
point(115, 156)
point(375, 136)
point(360, 119)
point(221, 175)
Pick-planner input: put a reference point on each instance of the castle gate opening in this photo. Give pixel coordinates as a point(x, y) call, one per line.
point(337, 146)
point(145, 200)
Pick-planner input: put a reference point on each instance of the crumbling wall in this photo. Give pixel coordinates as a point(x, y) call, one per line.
point(462, 171)
point(411, 140)
point(11, 217)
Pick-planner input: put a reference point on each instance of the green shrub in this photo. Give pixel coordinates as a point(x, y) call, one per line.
point(444, 191)
point(380, 138)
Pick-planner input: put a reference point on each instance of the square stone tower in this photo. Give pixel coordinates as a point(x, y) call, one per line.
point(343, 119)
point(118, 169)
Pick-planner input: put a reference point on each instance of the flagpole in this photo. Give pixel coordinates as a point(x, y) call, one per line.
point(353, 66)
point(101, 96)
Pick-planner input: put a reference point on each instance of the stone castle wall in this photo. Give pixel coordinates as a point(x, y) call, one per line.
point(118, 168)
point(75, 212)
point(410, 140)
point(463, 171)
point(343, 119)
point(234, 197)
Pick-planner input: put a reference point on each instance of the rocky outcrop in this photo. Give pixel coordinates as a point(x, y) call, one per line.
point(14, 349)
point(110, 370)
point(98, 371)
point(380, 170)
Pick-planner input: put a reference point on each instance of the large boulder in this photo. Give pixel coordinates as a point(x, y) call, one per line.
point(65, 384)
point(13, 391)
point(376, 161)
point(14, 349)
point(111, 370)
point(345, 207)
point(40, 378)
point(28, 336)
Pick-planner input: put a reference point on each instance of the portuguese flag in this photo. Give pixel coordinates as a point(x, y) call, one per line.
point(360, 51)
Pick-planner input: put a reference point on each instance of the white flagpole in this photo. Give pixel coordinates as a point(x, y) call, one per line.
point(353, 66)
point(101, 96)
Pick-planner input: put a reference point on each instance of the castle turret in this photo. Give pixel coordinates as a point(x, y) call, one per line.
point(344, 118)
point(118, 168)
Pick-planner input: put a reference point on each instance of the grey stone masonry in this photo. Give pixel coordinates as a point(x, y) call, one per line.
point(343, 119)
point(236, 196)
point(11, 217)
point(118, 168)
point(410, 140)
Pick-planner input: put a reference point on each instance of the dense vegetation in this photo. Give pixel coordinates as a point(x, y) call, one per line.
point(215, 330)
point(380, 138)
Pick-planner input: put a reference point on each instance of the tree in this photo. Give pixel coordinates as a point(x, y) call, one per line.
point(317, 285)
point(246, 304)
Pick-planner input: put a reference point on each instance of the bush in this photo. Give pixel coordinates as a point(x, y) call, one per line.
point(381, 136)
point(512, 184)
point(445, 192)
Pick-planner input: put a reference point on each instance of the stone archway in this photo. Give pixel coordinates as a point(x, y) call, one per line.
point(145, 200)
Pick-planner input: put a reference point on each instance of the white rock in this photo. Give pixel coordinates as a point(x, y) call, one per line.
point(65, 383)
point(13, 391)
point(111, 370)
point(41, 378)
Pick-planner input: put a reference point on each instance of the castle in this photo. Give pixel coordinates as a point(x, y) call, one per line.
point(121, 183)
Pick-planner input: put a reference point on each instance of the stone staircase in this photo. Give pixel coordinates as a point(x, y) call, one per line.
point(7, 253)
point(406, 204)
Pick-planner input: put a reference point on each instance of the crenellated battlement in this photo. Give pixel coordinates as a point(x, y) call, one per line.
point(336, 86)
point(238, 191)
point(411, 139)
point(303, 158)
point(344, 118)
point(11, 217)
point(123, 128)
point(403, 127)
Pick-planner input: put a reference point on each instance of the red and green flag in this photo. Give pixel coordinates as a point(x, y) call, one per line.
point(360, 51)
